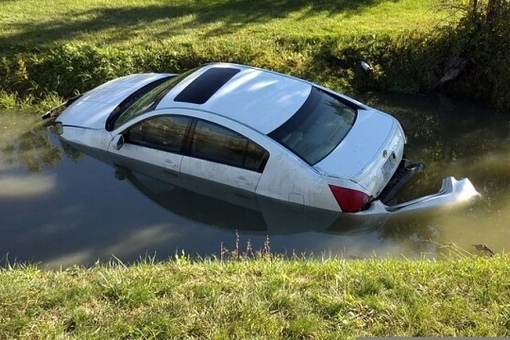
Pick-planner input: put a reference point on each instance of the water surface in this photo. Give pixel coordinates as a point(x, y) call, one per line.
point(60, 207)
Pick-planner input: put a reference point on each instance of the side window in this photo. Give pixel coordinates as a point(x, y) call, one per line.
point(164, 133)
point(221, 145)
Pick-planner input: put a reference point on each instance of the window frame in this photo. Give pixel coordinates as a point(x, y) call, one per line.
point(307, 116)
point(260, 168)
point(188, 138)
point(156, 146)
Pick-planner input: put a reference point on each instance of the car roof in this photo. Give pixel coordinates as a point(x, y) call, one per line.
point(260, 99)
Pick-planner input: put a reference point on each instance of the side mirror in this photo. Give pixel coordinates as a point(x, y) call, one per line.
point(118, 142)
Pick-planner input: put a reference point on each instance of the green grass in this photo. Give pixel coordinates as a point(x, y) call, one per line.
point(408, 42)
point(124, 22)
point(76, 45)
point(54, 49)
point(262, 298)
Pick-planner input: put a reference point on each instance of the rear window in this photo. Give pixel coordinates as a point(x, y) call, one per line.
point(317, 128)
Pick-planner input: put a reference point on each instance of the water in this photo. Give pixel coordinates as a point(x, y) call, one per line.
point(60, 207)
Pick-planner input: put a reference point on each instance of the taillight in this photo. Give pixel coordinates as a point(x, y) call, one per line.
point(350, 200)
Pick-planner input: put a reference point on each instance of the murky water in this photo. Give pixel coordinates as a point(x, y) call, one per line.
point(60, 207)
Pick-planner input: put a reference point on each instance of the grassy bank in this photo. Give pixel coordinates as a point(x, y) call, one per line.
point(54, 49)
point(124, 23)
point(264, 298)
point(52, 52)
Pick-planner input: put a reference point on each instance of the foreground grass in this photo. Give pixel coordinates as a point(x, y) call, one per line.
point(127, 23)
point(263, 298)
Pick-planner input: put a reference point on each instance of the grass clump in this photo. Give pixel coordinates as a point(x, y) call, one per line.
point(259, 298)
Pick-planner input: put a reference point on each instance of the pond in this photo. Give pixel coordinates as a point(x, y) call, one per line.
point(60, 207)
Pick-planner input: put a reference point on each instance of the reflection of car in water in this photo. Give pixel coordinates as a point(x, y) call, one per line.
point(257, 131)
point(223, 207)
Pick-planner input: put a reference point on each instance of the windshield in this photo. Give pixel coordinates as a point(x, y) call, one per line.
point(317, 127)
point(148, 99)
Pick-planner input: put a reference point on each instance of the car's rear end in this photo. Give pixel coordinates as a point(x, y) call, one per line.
point(361, 166)
point(367, 169)
point(355, 148)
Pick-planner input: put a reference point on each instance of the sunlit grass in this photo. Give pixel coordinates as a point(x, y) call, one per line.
point(316, 40)
point(127, 22)
point(262, 298)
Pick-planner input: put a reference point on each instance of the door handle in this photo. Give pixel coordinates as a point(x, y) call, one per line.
point(168, 163)
point(242, 181)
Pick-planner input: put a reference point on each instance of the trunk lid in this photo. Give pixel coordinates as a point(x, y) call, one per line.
point(369, 154)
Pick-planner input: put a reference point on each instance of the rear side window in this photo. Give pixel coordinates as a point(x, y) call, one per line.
point(317, 128)
point(165, 133)
point(219, 144)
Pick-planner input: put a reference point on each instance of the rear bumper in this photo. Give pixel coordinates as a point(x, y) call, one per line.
point(405, 171)
point(452, 192)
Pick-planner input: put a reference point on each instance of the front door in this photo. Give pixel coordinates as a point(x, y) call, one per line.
point(153, 147)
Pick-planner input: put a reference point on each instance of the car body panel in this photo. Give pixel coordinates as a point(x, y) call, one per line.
point(93, 108)
point(159, 164)
point(221, 173)
point(290, 179)
point(360, 158)
point(92, 138)
point(278, 98)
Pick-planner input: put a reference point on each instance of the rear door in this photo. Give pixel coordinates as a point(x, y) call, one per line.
point(222, 162)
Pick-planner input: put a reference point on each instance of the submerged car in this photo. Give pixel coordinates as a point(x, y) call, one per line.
point(257, 131)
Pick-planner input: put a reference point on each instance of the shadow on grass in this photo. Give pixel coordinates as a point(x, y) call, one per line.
point(232, 15)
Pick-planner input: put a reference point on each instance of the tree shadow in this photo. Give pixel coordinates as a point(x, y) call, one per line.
point(121, 23)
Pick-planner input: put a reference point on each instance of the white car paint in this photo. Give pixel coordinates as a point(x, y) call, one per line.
point(92, 109)
point(277, 97)
point(253, 103)
point(362, 162)
point(286, 177)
